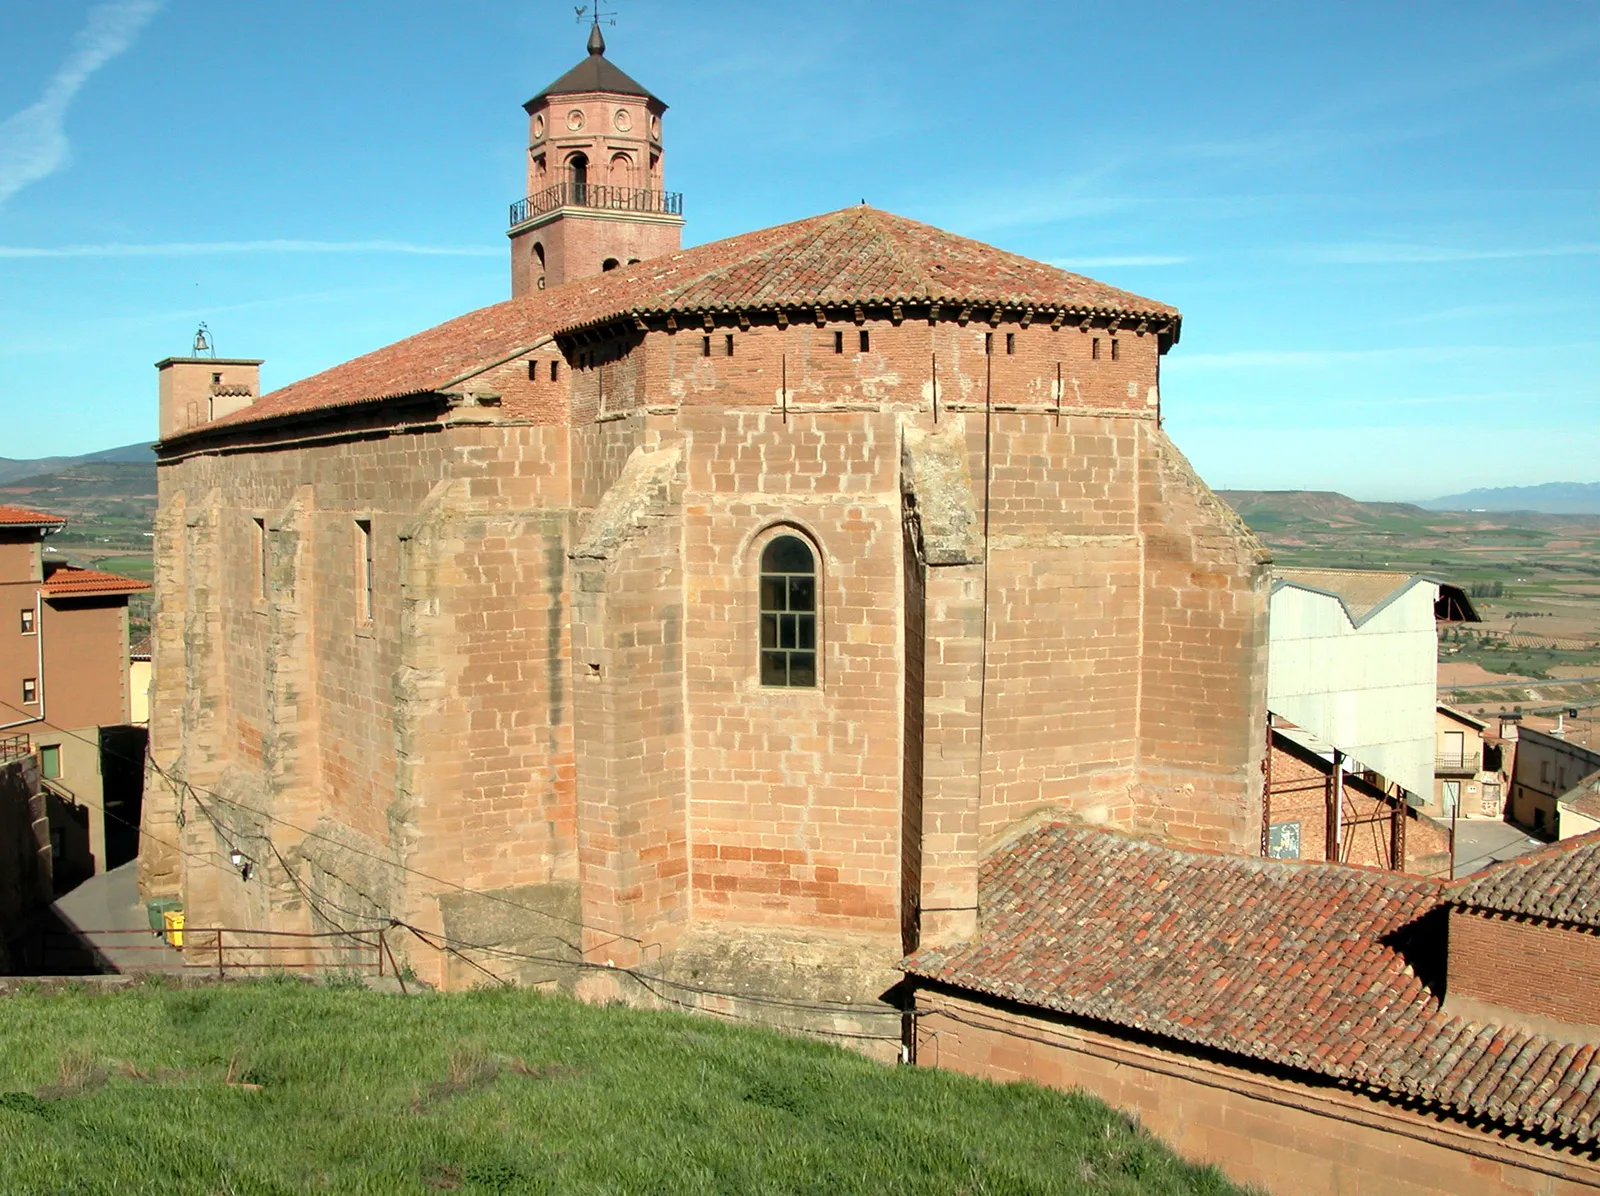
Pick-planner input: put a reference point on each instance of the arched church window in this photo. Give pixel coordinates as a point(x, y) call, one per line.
point(789, 614)
point(578, 175)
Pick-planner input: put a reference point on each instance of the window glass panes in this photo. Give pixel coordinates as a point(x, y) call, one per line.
point(788, 616)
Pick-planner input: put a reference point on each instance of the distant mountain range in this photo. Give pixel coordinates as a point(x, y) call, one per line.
point(1552, 498)
point(129, 454)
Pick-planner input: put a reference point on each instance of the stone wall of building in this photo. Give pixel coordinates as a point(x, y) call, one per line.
point(1278, 1133)
point(1524, 972)
point(551, 735)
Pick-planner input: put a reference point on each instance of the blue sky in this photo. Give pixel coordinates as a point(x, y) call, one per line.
point(1380, 221)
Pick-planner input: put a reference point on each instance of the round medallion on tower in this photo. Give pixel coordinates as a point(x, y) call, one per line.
point(622, 120)
point(575, 119)
point(538, 125)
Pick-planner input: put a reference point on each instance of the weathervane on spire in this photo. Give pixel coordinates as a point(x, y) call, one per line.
point(593, 12)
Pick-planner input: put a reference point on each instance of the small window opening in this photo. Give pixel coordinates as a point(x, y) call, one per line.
point(866, 341)
point(1011, 344)
point(364, 571)
point(1116, 349)
point(838, 342)
point(216, 379)
point(30, 690)
point(1094, 349)
point(27, 621)
point(50, 762)
point(789, 614)
point(555, 370)
point(729, 344)
point(705, 346)
point(258, 529)
point(988, 342)
point(610, 263)
point(533, 371)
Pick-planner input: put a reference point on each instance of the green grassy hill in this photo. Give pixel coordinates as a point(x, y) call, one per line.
point(279, 1087)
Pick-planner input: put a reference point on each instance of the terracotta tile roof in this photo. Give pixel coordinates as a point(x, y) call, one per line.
point(23, 517)
point(856, 255)
point(1584, 797)
point(68, 581)
point(1362, 591)
point(1299, 965)
point(1560, 883)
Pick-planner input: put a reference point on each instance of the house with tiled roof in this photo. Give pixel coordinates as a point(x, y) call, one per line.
point(1310, 1028)
point(706, 611)
point(64, 695)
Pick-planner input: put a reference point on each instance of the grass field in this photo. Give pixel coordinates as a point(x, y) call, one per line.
point(280, 1087)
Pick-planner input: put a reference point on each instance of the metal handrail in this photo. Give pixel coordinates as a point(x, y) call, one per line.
point(205, 949)
point(14, 747)
point(1459, 763)
point(597, 195)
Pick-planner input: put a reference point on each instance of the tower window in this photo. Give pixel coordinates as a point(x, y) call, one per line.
point(1011, 344)
point(988, 342)
point(789, 614)
point(1094, 349)
point(838, 342)
point(27, 621)
point(730, 344)
point(30, 690)
point(258, 536)
point(578, 175)
point(866, 341)
point(1116, 349)
point(216, 379)
point(705, 346)
point(555, 370)
point(364, 572)
point(610, 263)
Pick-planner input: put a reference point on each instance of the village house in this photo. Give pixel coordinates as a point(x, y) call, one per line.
point(1544, 769)
point(1471, 768)
point(65, 695)
point(710, 614)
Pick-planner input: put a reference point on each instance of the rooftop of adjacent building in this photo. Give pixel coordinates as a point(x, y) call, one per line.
point(1327, 968)
point(69, 581)
point(1365, 592)
point(858, 256)
point(23, 517)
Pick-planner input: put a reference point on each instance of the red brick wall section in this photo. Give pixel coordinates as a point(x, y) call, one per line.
point(1280, 1136)
point(1528, 966)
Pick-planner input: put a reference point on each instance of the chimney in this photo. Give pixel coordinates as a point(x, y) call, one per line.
point(203, 387)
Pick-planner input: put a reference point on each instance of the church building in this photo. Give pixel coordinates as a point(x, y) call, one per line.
point(693, 625)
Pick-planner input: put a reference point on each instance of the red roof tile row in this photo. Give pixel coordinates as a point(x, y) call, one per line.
point(23, 517)
point(857, 255)
point(1301, 965)
point(69, 580)
point(1560, 883)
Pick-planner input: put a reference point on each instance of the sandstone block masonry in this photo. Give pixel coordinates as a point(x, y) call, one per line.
point(491, 668)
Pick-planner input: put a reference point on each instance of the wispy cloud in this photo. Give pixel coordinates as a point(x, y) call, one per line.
point(211, 248)
point(33, 142)
point(1391, 254)
point(1127, 259)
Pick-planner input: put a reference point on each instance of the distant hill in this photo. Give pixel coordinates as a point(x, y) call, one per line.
point(1553, 498)
point(134, 454)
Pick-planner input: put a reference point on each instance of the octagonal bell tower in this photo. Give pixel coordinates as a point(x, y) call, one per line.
point(595, 198)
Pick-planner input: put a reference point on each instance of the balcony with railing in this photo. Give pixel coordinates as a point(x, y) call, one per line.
point(597, 195)
point(14, 747)
point(1457, 763)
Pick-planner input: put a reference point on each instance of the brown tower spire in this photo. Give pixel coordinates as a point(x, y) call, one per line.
point(595, 197)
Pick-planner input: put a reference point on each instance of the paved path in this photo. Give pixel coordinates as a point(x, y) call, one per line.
point(1480, 843)
point(105, 913)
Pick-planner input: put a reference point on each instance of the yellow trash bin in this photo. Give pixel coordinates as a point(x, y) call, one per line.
point(172, 923)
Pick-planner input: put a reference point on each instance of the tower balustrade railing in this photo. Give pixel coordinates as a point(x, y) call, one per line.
point(596, 195)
